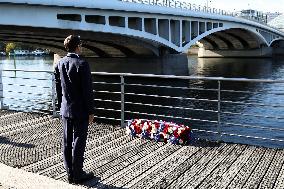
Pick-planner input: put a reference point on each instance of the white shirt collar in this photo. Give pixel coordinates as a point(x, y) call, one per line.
point(68, 54)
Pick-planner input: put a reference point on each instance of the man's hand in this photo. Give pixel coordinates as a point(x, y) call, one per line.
point(91, 118)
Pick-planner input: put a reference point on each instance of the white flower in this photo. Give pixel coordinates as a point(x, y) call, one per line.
point(166, 136)
point(170, 130)
point(145, 127)
point(128, 131)
point(154, 130)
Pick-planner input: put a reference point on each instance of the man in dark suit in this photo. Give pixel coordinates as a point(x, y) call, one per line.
point(75, 98)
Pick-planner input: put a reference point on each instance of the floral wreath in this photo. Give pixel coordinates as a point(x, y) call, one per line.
point(159, 131)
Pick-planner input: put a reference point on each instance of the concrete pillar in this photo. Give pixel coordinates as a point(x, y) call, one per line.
point(180, 33)
point(186, 31)
point(279, 51)
point(175, 32)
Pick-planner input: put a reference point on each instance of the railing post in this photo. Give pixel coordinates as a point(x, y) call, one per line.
point(219, 111)
point(2, 107)
point(53, 96)
point(1, 91)
point(122, 101)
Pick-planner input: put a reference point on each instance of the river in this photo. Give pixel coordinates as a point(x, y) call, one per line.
point(251, 68)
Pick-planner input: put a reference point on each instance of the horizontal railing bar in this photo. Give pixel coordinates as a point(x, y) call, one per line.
point(187, 88)
point(21, 70)
point(170, 87)
point(253, 126)
point(29, 107)
point(256, 92)
point(173, 107)
point(22, 85)
point(157, 96)
point(172, 97)
point(97, 99)
point(40, 79)
point(253, 103)
point(244, 136)
point(254, 137)
point(107, 109)
point(106, 83)
point(164, 76)
point(253, 115)
point(37, 94)
point(206, 131)
point(110, 118)
point(188, 77)
point(106, 92)
point(157, 115)
point(26, 100)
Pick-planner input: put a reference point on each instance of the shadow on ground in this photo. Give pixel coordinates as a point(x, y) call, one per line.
point(4, 140)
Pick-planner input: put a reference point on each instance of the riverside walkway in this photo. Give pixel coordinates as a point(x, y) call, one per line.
point(32, 142)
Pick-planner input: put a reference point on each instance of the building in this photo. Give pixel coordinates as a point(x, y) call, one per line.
point(278, 22)
point(253, 15)
point(271, 16)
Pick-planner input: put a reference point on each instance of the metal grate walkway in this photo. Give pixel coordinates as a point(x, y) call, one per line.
point(33, 142)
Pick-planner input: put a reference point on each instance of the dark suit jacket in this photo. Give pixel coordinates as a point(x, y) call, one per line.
point(74, 87)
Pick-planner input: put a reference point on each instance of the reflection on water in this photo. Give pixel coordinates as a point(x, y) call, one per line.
point(236, 68)
point(170, 65)
point(180, 65)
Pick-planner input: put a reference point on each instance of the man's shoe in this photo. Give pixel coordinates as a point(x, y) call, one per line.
point(70, 179)
point(83, 177)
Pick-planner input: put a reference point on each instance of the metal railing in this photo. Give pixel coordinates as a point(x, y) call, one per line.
point(218, 110)
point(196, 7)
point(27, 90)
point(215, 108)
point(182, 5)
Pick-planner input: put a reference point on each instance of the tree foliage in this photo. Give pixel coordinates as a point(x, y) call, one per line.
point(10, 47)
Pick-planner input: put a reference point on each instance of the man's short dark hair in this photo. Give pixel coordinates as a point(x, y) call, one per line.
point(72, 42)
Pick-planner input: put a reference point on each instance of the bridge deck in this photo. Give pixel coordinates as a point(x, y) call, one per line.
point(33, 143)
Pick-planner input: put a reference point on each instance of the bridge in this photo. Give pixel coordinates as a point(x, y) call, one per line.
point(128, 28)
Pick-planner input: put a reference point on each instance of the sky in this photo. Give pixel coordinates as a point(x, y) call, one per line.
point(237, 5)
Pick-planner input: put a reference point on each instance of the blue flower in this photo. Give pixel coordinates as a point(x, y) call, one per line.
point(145, 135)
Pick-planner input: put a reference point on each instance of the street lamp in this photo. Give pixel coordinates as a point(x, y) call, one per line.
point(207, 3)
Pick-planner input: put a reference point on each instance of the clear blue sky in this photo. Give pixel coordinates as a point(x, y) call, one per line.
point(231, 5)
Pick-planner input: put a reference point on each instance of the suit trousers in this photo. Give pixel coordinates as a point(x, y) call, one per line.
point(74, 143)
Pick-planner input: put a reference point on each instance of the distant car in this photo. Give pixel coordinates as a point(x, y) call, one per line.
point(2, 54)
point(38, 52)
point(20, 53)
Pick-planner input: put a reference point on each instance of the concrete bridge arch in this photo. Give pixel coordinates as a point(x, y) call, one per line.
point(122, 29)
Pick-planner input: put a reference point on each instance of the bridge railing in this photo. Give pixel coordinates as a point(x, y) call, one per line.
point(194, 7)
point(182, 5)
point(229, 109)
point(26, 90)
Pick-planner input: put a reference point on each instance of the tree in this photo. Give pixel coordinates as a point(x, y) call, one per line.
point(10, 47)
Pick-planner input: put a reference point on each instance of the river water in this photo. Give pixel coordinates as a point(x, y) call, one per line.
point(193, 66)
